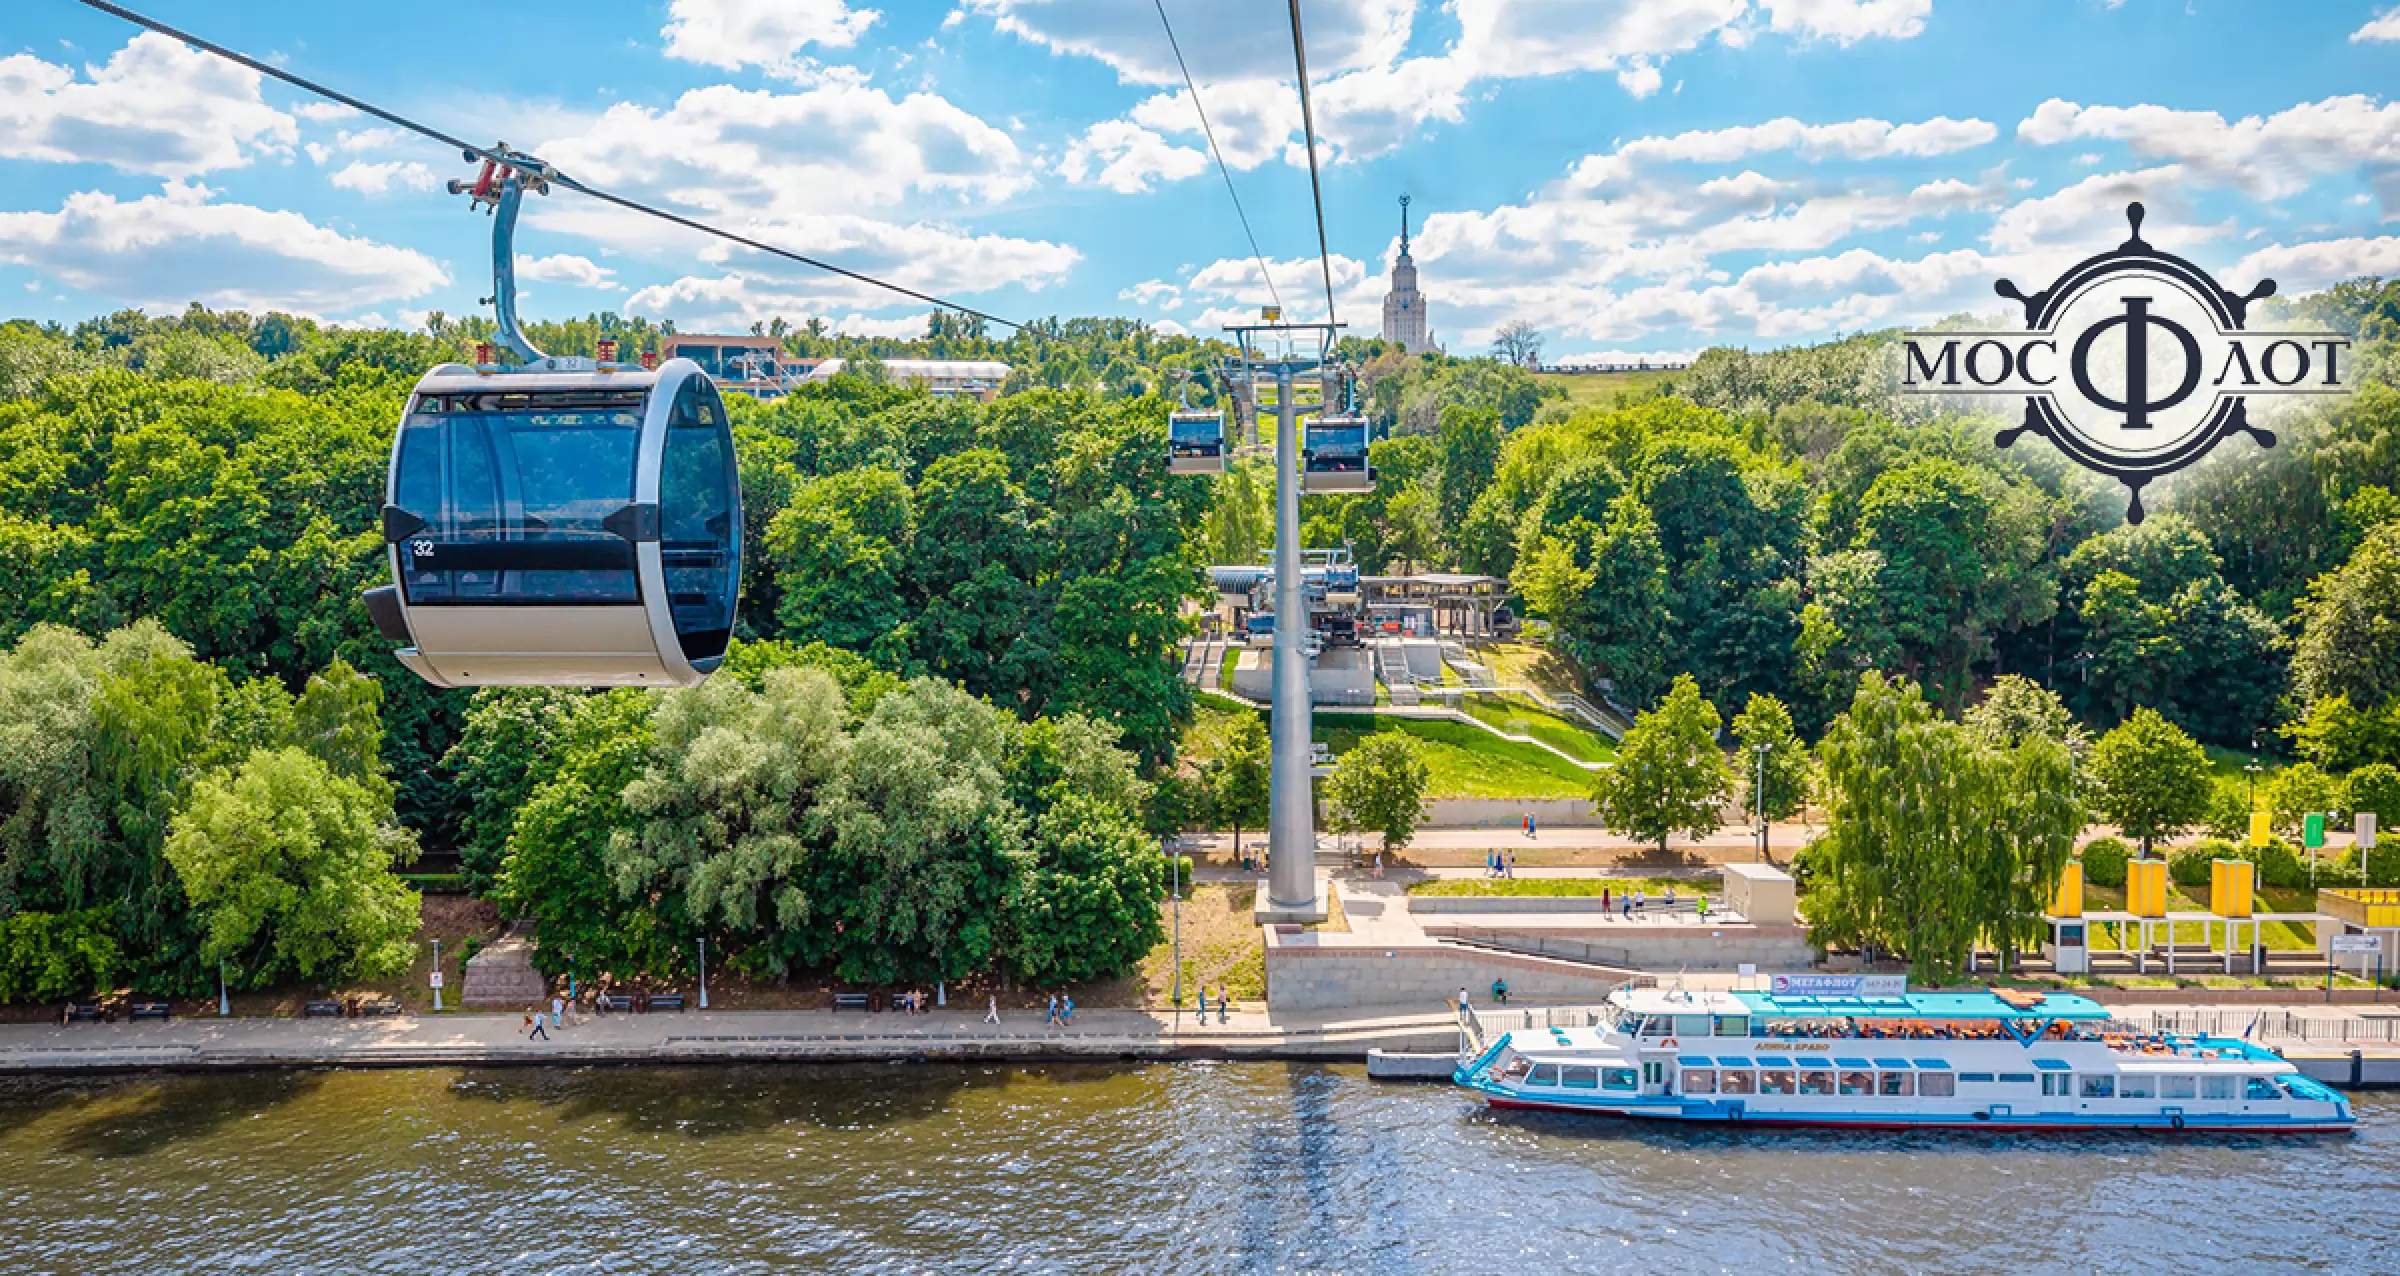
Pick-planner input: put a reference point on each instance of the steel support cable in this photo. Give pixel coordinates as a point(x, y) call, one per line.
point(518, 161)
point(1308, 129)
point(1219, 153)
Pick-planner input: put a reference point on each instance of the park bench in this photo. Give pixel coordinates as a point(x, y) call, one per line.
point(663, 1001)
point(615, 1003)
point(322, 1008)
point(150, 1010)
point(84, 1012)
point(377, 1006)
point(851, 1001)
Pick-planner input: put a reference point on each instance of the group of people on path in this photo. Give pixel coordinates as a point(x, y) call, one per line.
point(1499, 863)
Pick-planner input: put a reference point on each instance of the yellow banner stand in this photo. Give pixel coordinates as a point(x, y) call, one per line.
point(2232, 888)
point(2067, 900)
point(2262, 828)
point(2146, 888)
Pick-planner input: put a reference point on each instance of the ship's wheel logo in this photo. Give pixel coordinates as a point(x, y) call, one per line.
point(2135, 362)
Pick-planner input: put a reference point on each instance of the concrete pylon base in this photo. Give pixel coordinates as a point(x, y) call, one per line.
point(1264, 913)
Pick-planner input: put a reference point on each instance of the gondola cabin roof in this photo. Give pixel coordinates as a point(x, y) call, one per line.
point(456, 378)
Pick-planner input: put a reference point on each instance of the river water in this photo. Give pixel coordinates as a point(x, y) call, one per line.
point(1187, 1167)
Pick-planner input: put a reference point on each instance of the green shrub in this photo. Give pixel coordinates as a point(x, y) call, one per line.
point(2278, 866)
point(2375, 787)
point(437, 883)
point(54, 956)
point(2104, 861)
point(2189, 866)
point(1179, 870)
point(2383, 866)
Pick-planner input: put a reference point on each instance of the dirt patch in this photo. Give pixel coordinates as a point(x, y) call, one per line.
point(1221, 950)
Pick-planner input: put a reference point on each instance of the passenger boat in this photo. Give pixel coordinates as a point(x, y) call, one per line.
point(1863, 1052)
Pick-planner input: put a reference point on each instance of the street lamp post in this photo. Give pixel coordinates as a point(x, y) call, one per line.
point(1175, 893)
point(704, 972)
point(224, 998)
point(437, 975)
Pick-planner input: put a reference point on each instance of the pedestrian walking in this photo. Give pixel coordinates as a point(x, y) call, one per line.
point(993, 1015)
point(1701, 903)
point(1607, 905)
point(1509, 864)
point(1530, 830)
point(558, 1011)
point(533, 1025)
point(1066, 1006)
point(1224, 1005)
point(1462, 996)
point(1051, 1020)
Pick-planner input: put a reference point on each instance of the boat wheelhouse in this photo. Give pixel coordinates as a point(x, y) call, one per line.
point(1873, 1055)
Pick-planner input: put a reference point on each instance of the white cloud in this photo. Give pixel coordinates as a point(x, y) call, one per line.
point(904, 326)
point(380, 178)
point(2270, 157)
point(1371, 95)
point(2302, 268)
point(1861, 139)
point(1124, 157)
point(1849, 21)
point(2090, 215)
point(1153, 294)
point(930, 259)
point(566, 268)
point(324, 112)
point(2384, 26)
point(835, 146)
point(162, 251)
point(155, 107)
point(733, 34)
point(1218, 42)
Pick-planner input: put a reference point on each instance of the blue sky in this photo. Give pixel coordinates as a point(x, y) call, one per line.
point(1632, 176)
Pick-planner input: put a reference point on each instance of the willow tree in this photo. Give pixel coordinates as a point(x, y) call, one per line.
point(1937, 839)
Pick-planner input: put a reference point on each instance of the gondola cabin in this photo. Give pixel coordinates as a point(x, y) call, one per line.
point(1333, 456)
point(562, 528)
point(1195, 442)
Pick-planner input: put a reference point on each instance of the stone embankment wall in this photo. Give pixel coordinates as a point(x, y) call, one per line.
point(1306, 978)
point(1492, 813)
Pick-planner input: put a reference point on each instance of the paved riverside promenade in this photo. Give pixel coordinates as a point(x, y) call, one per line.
point(708, 1037)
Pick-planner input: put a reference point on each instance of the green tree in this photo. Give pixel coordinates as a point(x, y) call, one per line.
point(1961, 562)
point(2350, 626)
point(2298, 791)
point(1086, 907)
point(1669, 775)
point(556, 870)
point(731, 806)
point(1936, 840)
point(1232, 752)
point(1470, 441)
point(2150, 779)
point(2015, 709)
point(926, 844)
point(290, 867)
point(1380, 787)
point(502, 755)
point(2340, 736)
point(1765, 724)
point(2374, 788)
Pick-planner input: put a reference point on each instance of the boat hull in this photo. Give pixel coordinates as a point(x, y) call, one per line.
point(2197, 1123)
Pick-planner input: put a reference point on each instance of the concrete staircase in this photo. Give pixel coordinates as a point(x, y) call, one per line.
point(503, 974)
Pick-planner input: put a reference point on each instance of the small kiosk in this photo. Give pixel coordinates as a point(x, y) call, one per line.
point(2068, 952)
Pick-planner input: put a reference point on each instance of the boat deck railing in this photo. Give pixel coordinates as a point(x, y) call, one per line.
point(2262, 1026)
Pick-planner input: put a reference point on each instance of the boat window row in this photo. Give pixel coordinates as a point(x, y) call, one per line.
point(1688, 1025)
point(1816, 1077)
point(1570, 1076)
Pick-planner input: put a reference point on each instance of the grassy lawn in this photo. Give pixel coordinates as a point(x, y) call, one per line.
point(2279, 936)
point(1467, 762)
point(1554, 886)
point(1233, 656)
point(1519, 716)
point(1600, 389)
point(1532, 665)
point(1220, 949)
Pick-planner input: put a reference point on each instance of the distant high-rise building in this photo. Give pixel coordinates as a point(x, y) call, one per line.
point(1404, 318)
